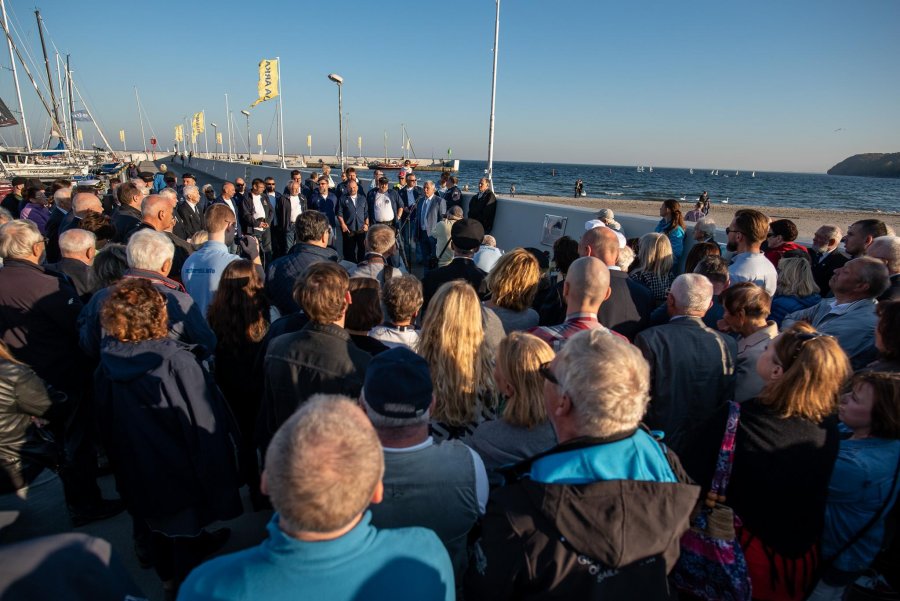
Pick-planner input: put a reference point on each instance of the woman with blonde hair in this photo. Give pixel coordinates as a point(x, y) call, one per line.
point(785, 449)
point(796, 289)
point(523, 429)
point(513, 283)
point(656, 262)
point(453, 343)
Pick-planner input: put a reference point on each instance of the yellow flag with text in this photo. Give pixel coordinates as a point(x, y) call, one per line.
point(179, 133)
point(197, 124)
point(259, 139)
point(79, 135)
point(121, 135)
point(268, 80)
point(218, 137)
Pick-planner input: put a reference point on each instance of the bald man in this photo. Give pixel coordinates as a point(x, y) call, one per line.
point(158, 213)
point(585, 290)
point(83, 204)
point(630, 303)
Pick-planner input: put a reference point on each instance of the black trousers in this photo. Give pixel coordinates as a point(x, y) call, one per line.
point(354, 246)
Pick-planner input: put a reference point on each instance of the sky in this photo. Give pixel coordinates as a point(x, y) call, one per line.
point(768, 85)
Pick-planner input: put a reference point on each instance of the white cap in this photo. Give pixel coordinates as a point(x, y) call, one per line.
point(592, 223)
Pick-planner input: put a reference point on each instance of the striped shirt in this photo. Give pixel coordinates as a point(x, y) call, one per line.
point(557, 335)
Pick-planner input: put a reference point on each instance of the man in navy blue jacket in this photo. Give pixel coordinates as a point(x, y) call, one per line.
point(353, 217)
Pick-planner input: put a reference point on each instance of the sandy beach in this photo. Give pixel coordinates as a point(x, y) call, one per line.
point(807, 220)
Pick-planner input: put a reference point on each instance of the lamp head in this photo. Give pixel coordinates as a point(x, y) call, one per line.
point(245, 113)
point(336, 78)
point(213, 124)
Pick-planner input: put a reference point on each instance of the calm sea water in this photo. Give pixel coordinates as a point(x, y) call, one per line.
point(807, 190)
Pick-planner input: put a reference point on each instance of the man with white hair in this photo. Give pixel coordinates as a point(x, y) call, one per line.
point(826, 256)
point(887, 250)
point(78, 248)
point(62, 206)
point(705, 230)
point(38, 313)
point(586, 288)
point(150, 256)
point(849, 316)
point(190, 218)
point(324, 469)
point(381, 245)
point(600, 515)
point(692, 365)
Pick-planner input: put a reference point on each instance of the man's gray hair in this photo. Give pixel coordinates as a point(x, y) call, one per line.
point(832, 232)
point(5, 216)
point(168, 193)
point(17, 239)
point(193, 191)
point(75, 241)
point(607, 380)
point(706, 225)
point(874, 273)
point(625, 259)
point(887, 249)
point(692, 292)
point(149, 250)
point(63, 198)
point(154, 203)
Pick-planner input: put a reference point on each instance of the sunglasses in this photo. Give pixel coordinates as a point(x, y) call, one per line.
point(544, 370)
point(728, 230)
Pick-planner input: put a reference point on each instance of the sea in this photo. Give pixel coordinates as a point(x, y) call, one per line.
point(764, 188)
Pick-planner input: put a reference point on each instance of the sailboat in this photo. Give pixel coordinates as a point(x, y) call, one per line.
point(737, 172)
point(692, 171)
point(753, 174)
point(651, 169)
point(717, 172)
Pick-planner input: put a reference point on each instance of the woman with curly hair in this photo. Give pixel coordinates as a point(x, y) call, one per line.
point(887, 338)
point(513, 282)
point(239, 316)
point(785, 449)
point(656, 262)
point(671, 224)
point(523, 429)
point(453, 343)
point(167, 431)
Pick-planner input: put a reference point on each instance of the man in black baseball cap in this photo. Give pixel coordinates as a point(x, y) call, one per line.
point(418, 472)
point(465, 238)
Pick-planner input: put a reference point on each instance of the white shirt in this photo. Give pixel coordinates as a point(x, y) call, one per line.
point(383, 209)
point(295, 208)
point(258, 211)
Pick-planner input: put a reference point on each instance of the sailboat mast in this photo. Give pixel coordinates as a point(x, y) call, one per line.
point(138, 101)
point(71, 98)
point(12, 62)
point(62, 100)
point(40, 22)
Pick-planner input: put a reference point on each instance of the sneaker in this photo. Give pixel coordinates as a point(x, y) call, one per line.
point(102, 510)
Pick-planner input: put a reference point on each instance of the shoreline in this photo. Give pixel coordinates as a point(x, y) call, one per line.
point(807, 220)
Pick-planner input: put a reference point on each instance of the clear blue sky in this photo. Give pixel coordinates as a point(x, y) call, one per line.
point(759, 85)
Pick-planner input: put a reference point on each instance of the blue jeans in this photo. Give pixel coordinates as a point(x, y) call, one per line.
point(41, 508)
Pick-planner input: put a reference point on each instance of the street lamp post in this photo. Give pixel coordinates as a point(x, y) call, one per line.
point(490, 167)
point(249, 148)
point(340, 84)
point(215, 137)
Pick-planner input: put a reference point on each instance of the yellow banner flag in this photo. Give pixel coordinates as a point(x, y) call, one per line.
point(259, 139)
point(121, 135)
point(179, 133)
point(197, 123)
point(218, 137)
point(359, 142)
point(79, 136)
point(309, 139)
point(268, 80)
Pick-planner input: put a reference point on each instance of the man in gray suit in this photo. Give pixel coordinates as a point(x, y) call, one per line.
point(430, 208)
point(691, 365)
point(850, 315)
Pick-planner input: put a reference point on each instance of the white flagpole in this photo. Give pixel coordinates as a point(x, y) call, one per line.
point(205, 134)
point(281, 113)
point(228, 122)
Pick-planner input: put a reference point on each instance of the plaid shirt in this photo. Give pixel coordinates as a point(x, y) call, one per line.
point(659, 286)
point(557, 335)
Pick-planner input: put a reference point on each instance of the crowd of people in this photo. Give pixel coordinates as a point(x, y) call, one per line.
point(506, 425)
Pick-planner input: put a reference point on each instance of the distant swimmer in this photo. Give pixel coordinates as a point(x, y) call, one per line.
point(512, 190)
point(579, 188)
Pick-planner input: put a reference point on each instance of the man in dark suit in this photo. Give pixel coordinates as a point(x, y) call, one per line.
point(190, 218)
point(692, 367)
point(256, 218)
point(430, 208)
point(83, 204)
point(128, 214)
point(158, 213)
point(78, 248)
point(296, 176)
point(353, 217)
point(465, 238)
point(288, 207)
point(630, 303)
point(62, 207)
point(453, 195)
point(483, 206)
point(826, 256)
point(409, 195)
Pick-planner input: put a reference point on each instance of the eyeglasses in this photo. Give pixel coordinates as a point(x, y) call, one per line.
point(544, 370)
point(411, 179)
point(770, 235)
point(728, 230)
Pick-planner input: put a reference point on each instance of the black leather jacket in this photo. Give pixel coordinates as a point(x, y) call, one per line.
point(24, 453)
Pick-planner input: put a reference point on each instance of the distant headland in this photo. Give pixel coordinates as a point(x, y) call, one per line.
point(872, 164)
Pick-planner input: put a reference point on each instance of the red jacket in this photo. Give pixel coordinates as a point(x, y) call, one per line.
point(775, 254)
